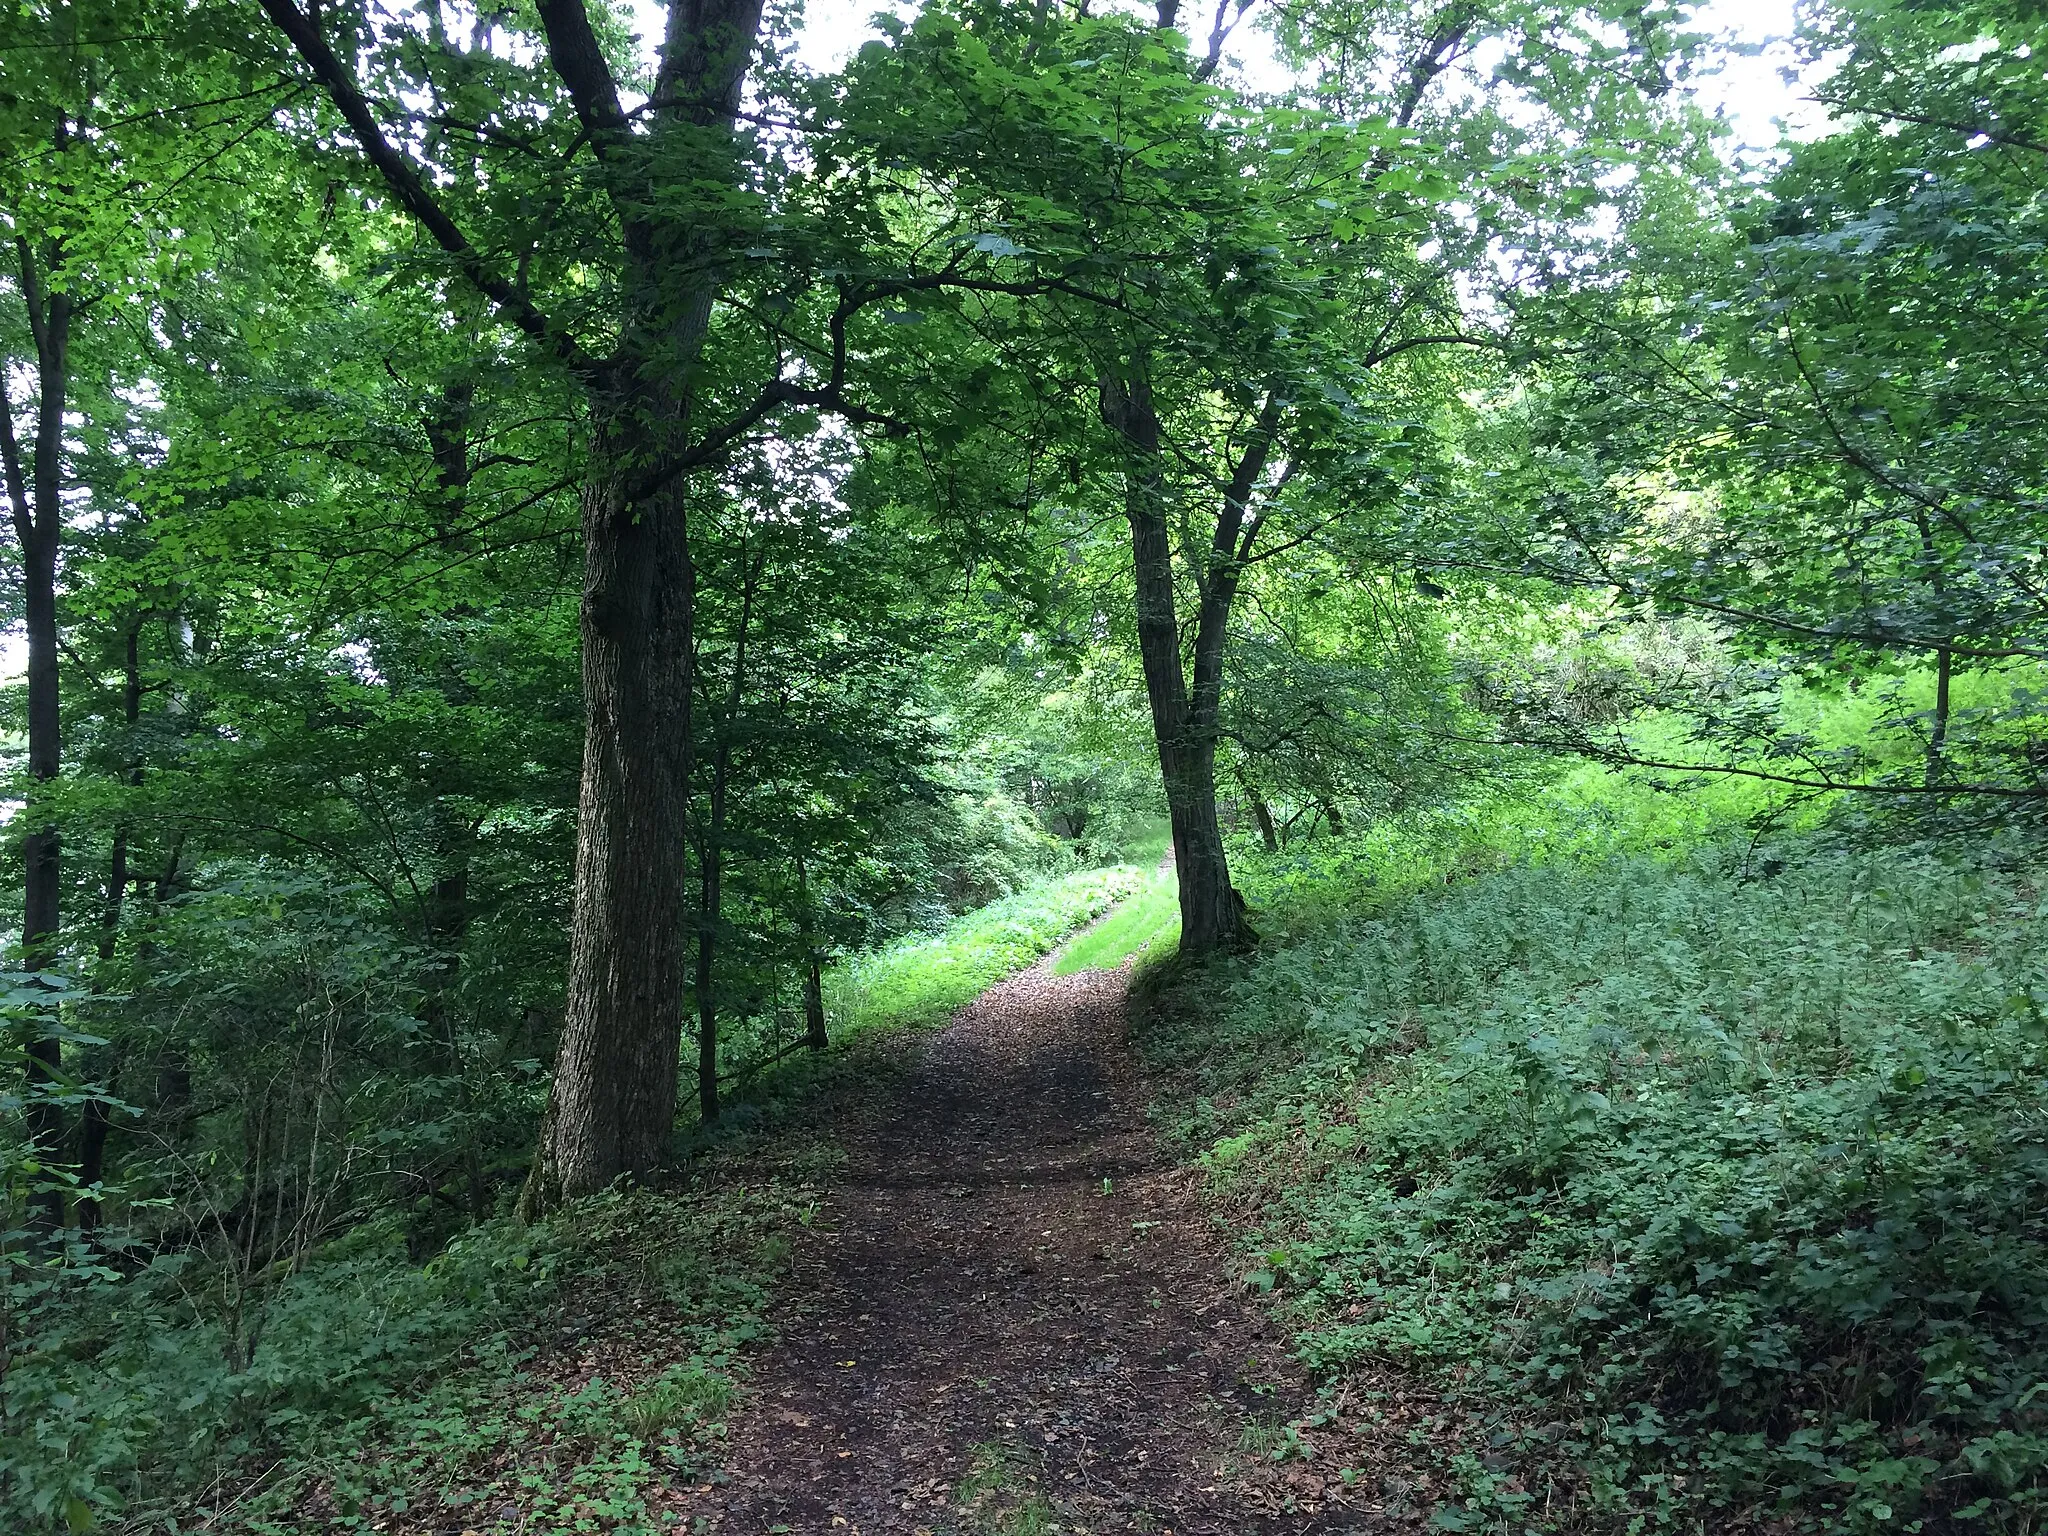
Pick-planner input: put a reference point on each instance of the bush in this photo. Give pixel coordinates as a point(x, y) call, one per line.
point(380, 1386)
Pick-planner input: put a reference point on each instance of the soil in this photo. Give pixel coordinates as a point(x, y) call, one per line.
point(1015, 1315)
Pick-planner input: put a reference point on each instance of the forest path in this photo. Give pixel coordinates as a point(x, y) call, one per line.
point(1014, 1316)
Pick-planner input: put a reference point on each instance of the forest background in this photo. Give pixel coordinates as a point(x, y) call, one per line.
point(563, 580)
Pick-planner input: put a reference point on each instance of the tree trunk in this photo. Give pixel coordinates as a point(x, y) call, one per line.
point(1212, 915)
point(711, 857)
point(95, 1120)
point(707, 1011)
point(1944, 658)
point(41, 848)
point(1262, 813)
point(174, 1074)
point(117, 862)
point(1183, 722)
point(1937, 736)
point(612, 1105)
point(807, 941)
point(447, 931)
point(36, 503)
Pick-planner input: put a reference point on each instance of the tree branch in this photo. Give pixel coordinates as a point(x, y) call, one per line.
point(406, 184)
point(1219, 33)
point(1970, 130)
point(577, 59)
point(1379, 355)
point(1626, 758)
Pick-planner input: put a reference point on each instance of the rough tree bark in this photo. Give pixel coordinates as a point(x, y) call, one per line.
point(35, 500)
point(612, 1105)
point(613, 1101)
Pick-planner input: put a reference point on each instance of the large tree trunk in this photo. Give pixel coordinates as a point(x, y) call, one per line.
point(613, 1102)
point(1212, 915)
point(1211, 912)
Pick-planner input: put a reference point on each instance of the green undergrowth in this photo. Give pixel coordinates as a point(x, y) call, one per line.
point(1589, 813)
point(541, 1379)
point(1145, 925)
point(1712, 1183)
point(922, 980)
point(538, 1379)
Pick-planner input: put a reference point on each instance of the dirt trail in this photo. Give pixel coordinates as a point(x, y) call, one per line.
point(1014, 1317)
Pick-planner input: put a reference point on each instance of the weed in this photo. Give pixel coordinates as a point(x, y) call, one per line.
point(987, 1471)
point(1271, 1440)
point(682, 1396)
point(998, 1496)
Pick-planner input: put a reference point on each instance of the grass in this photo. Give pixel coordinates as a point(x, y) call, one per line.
point(922, 980)
point(1150, 845)
point(1146, 924)
point(1705, 1181)
point(998, 1494)
point(682, 1396)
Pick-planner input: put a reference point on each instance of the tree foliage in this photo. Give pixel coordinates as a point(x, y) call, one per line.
point(539, 553)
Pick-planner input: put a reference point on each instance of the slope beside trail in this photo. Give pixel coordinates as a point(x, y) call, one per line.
point(1015, 1317)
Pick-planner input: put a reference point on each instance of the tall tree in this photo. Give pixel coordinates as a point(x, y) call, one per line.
point(673, 202)
point(1810, 410)
point(1245, 299)
point(35, 493)
point(122, 127)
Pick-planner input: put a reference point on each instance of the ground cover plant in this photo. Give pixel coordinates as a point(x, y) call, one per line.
point(1709, 1177)
point(569, 566)
point(564, 1371)
point(1145, 924)
point(559, 1371)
